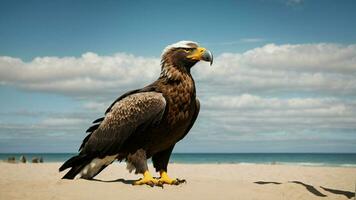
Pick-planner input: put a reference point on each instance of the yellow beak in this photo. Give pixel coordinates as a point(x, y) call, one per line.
point(201, 54)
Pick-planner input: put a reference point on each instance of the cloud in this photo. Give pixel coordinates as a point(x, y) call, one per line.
point(250, 114)
point(242, 40)
point(307, 57)
point(320, 68)
point(294, 2)
point(248, 101)
point(88, 74)
point(50, 122)
point(252, 40)
point(324, 69)
point(97, 106)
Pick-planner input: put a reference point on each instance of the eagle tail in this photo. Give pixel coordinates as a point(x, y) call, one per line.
point(76, 163)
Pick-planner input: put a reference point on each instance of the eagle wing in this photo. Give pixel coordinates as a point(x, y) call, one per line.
point(123, 118)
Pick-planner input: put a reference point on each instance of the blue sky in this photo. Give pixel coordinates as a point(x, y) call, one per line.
point(283, 79)
point(69, 28)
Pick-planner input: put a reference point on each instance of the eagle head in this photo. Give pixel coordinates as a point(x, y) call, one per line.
point(185, 54)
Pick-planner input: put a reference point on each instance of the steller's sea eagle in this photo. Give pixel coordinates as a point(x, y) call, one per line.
point(146, 122)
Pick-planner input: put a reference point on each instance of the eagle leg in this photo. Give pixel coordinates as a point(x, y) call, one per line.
point(147, 179)
point(165, 179)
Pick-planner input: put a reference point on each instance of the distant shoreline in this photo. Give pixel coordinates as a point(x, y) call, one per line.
point(297, 159)
point(236, 163)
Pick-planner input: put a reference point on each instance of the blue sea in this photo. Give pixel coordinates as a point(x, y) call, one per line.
point(307, 159)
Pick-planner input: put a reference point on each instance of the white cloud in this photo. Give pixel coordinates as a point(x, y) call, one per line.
point(257, 119)
point(294, 2)
point(89, 73)
point(320, 68)
point(307, 57)
point(248, 101)
point(252, 40)
point(240, 41)
point(49, 122)
point(317, 68)
point(97, 106)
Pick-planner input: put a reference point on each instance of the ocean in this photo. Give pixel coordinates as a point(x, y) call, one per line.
point(306, 159)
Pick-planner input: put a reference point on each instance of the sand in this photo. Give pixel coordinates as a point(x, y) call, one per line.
point(204, 181)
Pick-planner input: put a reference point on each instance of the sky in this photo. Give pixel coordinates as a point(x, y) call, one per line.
point(283, 78)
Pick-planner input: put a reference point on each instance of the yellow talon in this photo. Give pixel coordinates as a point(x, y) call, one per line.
point(165, 179)
point(147, 179)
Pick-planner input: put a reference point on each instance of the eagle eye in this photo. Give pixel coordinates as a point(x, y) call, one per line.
point(186, 50)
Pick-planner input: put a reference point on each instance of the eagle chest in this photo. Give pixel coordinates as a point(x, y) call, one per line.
point(180, 98)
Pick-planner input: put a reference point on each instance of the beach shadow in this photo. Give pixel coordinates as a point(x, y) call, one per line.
point(267, 182)
point(348, 194)
point(120, 180)
point(310, 188)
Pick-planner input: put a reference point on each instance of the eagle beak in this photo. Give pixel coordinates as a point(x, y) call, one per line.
point(208, 56)
point(202, 54)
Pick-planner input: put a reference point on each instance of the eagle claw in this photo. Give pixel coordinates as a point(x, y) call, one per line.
point(145, 182)
point(147, 179)
point(165, 179)
point(177, 181)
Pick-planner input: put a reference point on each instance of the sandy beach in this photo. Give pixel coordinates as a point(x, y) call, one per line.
point(204, 181)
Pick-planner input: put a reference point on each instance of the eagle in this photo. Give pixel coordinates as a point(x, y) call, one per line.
point(145, 123)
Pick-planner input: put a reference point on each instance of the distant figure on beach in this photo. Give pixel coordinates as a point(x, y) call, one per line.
point(146, 122)
point(35, 160)
point(23, 159)
point(11, 159)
